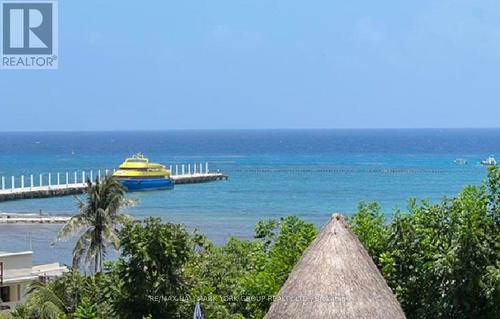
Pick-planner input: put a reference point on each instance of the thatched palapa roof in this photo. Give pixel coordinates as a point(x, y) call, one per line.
point(335, 278)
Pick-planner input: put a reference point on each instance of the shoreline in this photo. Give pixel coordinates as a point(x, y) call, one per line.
point(32, 219)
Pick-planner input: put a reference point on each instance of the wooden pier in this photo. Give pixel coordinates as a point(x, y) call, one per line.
point(63, 184)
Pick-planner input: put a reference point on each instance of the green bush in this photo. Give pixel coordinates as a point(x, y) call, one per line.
point(441, 260)
point(150, 269)
point(242, 276)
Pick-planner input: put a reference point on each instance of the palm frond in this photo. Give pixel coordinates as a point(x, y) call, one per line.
point(122, 219)
point(41, 294)
point(50, 311)
point(79, 202)
point(81, 247)
point(111, 236)
point(73, 225)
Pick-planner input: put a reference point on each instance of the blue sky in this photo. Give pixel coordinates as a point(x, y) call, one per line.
point(264, 64)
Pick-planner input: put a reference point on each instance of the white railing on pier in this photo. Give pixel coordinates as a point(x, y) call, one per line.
point(194, 169)
point(76, 179)
point(48, 181)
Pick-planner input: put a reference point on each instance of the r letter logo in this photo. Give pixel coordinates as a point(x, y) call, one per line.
point(29, 35)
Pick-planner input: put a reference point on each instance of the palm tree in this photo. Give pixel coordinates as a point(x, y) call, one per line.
point(97, 221)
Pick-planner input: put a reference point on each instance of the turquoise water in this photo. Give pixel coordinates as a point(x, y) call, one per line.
point(310, 173)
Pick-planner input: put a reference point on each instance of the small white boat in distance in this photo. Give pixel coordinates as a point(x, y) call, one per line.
point(490, 161)
point(460, 161)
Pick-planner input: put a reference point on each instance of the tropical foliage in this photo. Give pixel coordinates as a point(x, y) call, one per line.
point(71, 296)
point(97, 222)
point(242, 277)
point(164, 270)
point(154, 255)
point(442, 260)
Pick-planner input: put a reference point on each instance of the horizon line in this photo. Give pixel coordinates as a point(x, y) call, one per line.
point(247, 129)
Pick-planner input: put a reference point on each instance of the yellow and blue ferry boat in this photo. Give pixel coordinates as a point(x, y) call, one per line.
point(137, 174)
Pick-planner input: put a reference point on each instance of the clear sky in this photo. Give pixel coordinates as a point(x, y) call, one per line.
point(264, 64)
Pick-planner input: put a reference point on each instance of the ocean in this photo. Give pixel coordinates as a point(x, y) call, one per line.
point(272, 173)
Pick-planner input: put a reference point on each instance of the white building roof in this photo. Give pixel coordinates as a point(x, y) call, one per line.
point(18, 253)
point(18, 267)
